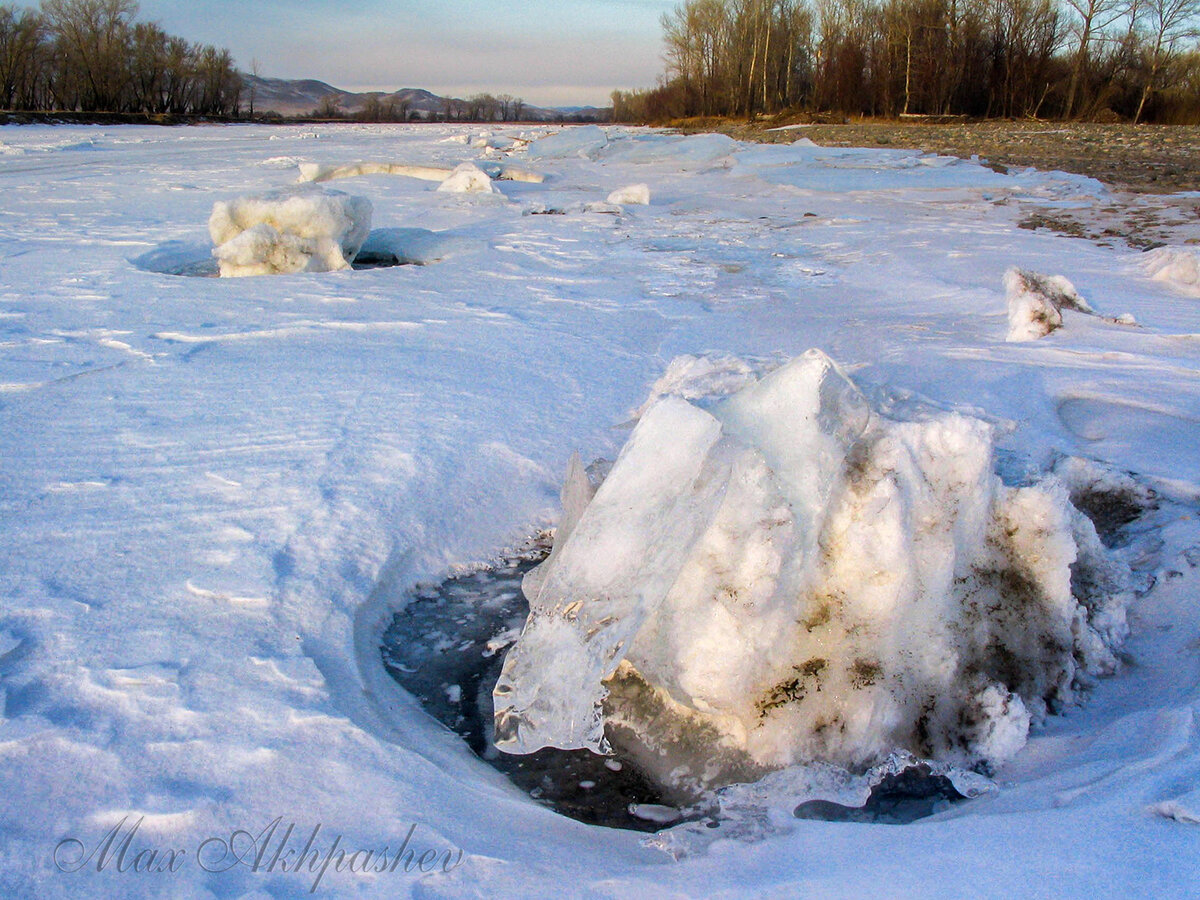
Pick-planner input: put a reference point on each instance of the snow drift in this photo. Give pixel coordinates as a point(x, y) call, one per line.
point(413, 246)
point(785, 575)
point(290, 230)
point(579, 141)
point(467, 179)
point(1177, 266)
point(631, 195)
point(316, 172)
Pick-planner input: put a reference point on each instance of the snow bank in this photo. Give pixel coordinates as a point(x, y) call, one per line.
point(1036, 302)
point(784, 575)
point(1176, 266)
point(512, 173)
point(467, 179)
point(291, 230)
point(578, 141)
point(502, 172)
point(316, 172)
point(632, 195)
point(413, 246)
point(836, 170)
point(687, 151)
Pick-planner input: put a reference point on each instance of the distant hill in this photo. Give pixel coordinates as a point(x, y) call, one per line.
point(301, 97)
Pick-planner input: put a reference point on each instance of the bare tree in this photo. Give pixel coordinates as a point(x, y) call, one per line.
point(21, 37)
point(1169, 24)
point(94, 37)
point(330, 107)
point(1093, 17)
point(254, 73)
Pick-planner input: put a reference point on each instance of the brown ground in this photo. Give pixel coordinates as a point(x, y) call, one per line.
point(1145, 165)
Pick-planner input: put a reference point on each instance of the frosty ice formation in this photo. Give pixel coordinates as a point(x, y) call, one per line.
point(304, 229)
point(1036, 302)
point(785, 575)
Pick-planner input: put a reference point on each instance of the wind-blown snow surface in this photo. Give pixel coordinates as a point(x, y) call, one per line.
point(211, 487)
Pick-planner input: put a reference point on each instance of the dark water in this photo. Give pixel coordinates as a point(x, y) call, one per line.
point(446, 648)
point(898, 799)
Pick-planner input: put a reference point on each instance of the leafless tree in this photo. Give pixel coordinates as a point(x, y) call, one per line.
point(22, 36)
point(1168, 24)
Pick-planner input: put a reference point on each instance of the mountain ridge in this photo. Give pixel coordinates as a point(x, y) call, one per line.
point(306, 96)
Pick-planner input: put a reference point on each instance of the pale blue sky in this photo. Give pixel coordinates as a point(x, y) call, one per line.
point(550, 52)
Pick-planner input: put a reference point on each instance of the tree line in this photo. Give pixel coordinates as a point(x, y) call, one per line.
point(1130, 59)
point(478, 108)
point(93, 56)
point(384, 108)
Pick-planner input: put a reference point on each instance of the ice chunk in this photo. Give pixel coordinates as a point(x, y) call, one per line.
point(632, 195)
point(577, 141)
point(788, 576)
point(577, 493)
point(1177, 266)
point(467, 179)
point(291, 230)
point(616, 567)
point(1035, 303)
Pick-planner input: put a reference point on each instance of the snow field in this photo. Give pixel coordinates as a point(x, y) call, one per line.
point(212, 487)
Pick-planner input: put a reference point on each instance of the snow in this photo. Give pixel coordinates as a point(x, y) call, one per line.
point(1176, 266)
point(316, 172)
point(467, 178)
point(630, 195)
point(319, 172)
point(797, 578)
point(695, 151)
point(415, 246)
point(586, 142)
point(288, 230)
point(513, 173)
point(213, 490)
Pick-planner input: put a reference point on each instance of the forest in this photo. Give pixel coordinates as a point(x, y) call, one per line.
point(1098, 60)
point(92, 55)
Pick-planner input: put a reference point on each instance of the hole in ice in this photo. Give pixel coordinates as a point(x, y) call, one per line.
point(190, 258)
point(446, 646)
point(898, 799)
point(195, 259)
point(1112, 499)
point(367, 261)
